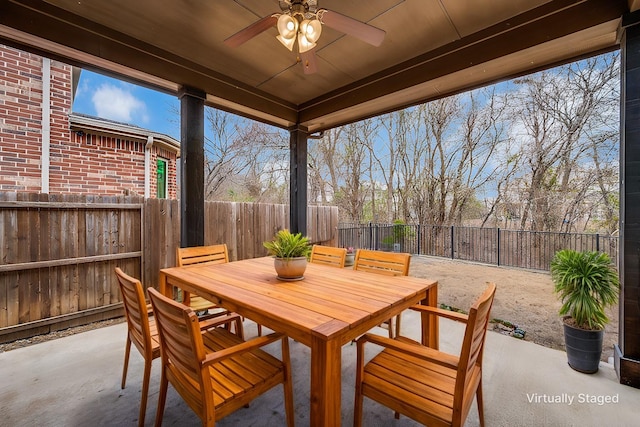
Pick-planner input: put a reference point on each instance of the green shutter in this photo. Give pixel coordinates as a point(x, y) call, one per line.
point(162, 179)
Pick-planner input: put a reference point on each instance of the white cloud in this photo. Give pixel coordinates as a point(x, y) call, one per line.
point(118, 103)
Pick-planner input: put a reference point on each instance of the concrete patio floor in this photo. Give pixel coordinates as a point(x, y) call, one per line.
point(75, 381)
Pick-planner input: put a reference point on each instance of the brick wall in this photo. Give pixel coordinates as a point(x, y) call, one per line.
point(20, 120)
point(101, 164)
point(91, 163)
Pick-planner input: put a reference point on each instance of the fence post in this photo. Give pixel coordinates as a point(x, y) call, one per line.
point(598, 242)
point(419, 253)
point(452, 255)
point(498, 245)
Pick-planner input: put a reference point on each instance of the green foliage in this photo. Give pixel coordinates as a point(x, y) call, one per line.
point(288, 245)
point(399, 231)
point(472, 208)
point(586, 283)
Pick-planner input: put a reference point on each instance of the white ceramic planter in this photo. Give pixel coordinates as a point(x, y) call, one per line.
point(290, 268)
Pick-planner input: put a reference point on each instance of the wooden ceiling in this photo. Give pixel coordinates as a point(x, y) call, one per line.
point(432, 48)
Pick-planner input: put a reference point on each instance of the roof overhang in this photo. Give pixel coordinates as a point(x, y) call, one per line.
point(432, 49)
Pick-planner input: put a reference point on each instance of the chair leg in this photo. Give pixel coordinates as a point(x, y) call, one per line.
point(259, 330)
point(145, 392)
point(162, 396)
point(127, 350)
point(288, 383)
point(398, 317)
point(480, 404)
point(239, 328)
point(390, 323)
point(357, 405)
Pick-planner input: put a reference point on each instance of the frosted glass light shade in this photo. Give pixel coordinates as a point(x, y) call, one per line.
point(287, 26)
point(304, 44)
point(311, 29)
point(288, 43)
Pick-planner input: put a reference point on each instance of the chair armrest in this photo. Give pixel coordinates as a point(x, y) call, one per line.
point(242, 348)
point(453, 315)
point(417, 350)
point(212, 320)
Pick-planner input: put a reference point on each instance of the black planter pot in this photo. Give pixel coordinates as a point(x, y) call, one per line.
point(584, 348)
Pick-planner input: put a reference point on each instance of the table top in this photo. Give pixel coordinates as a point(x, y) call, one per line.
point(329, 303)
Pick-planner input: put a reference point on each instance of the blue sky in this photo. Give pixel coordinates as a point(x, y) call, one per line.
point(109, 98)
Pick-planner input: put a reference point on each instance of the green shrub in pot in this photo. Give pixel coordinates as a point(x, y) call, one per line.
point(288, 245)
point(291, 252)
point(586, 283)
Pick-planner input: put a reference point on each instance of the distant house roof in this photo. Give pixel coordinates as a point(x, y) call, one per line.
point(86, 123)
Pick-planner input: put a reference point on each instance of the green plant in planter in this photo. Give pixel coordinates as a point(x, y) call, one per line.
point(586, 283)
point(399, 233)
point(288, 245)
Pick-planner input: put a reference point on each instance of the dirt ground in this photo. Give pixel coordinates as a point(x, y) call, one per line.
point(524, 298)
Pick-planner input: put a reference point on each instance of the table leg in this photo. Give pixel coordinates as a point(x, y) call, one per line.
point(162, 285)
point(431, 322)
point(326, 382)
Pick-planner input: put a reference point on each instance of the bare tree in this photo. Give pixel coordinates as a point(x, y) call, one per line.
point(324, 165)
point(244, 159)
point(558, 111)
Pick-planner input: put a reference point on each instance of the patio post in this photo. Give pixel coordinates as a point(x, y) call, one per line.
point(298, 179)
point(627, 352)
point(191, 166)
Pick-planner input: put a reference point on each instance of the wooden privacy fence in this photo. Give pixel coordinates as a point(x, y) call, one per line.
point(242, 226)
point(58, 252)
point(57, 258)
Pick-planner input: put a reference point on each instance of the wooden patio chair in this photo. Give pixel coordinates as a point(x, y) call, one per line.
point(211, 254)
point(215, 371)
point(386, 263)
point(142, 332)
point(427, 385)
point(328, 255)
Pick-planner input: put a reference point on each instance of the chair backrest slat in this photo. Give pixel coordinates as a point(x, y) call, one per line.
point(180, 339)
point(135, 309)
point(328, 255)
point(472, 350)
point(389, 263)
point(212, 254)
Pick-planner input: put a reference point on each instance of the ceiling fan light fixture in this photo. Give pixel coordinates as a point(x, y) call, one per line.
point(303, 44)
point(302, 20)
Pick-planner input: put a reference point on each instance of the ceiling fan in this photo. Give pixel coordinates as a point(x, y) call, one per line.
point(301, 21)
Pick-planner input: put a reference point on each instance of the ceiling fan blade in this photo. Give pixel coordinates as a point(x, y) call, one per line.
point(309, 63)
point(365, 32)
point(251, 31)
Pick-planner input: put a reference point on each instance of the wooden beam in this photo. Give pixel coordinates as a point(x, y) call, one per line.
point(627, 353)
point(18, 204)
point(56, 323)
point(521, 32)
point(192, 167)
point(73, 34)
point(298, 180)
point(68, 261)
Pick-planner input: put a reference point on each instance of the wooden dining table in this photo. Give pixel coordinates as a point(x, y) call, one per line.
point(328, 308)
